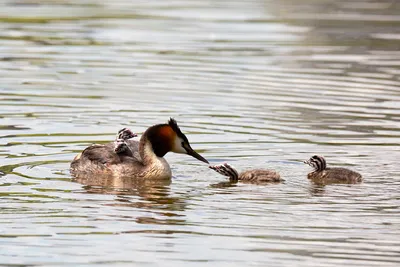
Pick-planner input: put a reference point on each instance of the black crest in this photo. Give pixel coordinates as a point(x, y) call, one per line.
point(174, 125)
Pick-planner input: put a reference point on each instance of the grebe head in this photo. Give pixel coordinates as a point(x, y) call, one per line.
point(317, 162)
point(169, 137)
point(226, 170)
point(125, 134)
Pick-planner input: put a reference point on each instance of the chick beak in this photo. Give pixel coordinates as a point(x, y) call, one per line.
point(196, 155)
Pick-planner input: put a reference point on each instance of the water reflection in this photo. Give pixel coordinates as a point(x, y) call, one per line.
point(316, 190)
point(154, 195)
point(121, 185)
point(224, 184)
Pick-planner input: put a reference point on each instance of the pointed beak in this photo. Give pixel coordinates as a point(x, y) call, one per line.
point(196, 155)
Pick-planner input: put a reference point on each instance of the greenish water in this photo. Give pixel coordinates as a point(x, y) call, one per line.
point(253, 83)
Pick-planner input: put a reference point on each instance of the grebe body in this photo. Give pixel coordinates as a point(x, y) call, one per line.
point(324, 175)
point(141, 160)
point(250, 176)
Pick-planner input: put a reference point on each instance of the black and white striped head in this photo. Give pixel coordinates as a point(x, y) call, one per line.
point(317, 162)
point(226, 170)
point(125, 134)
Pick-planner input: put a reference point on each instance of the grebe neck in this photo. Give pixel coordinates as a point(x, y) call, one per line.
point(155, 143)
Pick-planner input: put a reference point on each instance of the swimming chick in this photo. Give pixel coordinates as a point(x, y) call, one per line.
point(141, 160)
point(252, 176)
point(324, 175)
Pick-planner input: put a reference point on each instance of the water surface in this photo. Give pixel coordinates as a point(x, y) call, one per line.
point(254, 83)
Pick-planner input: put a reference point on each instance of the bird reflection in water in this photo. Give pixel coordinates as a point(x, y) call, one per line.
point(224, 184)
point(154, 195)
point(317, 190)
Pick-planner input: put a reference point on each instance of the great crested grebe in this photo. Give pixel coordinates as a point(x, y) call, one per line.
point(251, 176)
point(142, 160)
point(322, 174)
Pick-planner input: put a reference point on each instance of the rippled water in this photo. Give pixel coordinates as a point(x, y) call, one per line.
point(252, 83)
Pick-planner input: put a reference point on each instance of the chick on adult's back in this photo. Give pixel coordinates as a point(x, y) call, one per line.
point(250, 176)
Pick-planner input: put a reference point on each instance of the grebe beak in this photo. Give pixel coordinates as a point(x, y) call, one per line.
point(196, 155)
point(181, 143)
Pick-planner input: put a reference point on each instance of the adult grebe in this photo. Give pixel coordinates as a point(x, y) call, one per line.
point(141, 160)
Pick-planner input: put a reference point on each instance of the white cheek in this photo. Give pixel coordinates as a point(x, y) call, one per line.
point(177, 147)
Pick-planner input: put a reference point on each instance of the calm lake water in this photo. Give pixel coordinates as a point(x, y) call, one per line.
point(253, 83)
